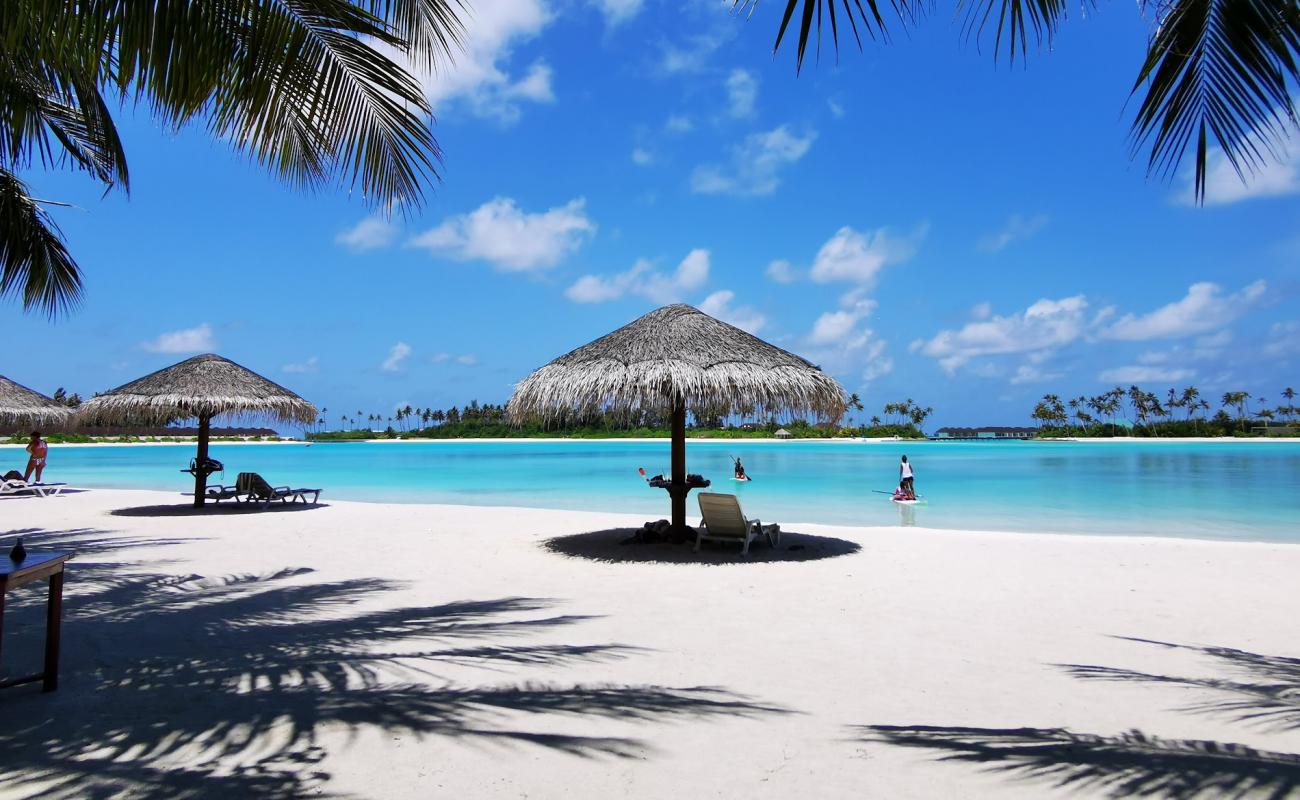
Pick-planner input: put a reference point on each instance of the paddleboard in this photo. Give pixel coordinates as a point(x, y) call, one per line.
point(917, 502)
point(742, 480)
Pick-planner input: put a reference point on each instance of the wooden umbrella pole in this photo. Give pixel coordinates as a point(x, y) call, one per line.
point(201, 463)
point(679, 490)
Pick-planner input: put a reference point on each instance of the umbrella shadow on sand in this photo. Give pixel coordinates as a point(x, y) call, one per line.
point(1263, 691)
point(213, 509)
point(186, 686)
point(622, 545)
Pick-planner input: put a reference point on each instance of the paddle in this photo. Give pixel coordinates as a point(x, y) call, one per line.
point(891, 494)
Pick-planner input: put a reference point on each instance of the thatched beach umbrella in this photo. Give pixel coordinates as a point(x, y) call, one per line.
point(201, 387)
point(21, 407)
point(675, 359)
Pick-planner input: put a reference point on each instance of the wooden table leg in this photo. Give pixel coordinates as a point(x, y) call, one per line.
point(53, 619)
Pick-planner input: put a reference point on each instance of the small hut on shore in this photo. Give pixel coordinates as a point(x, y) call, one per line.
point(199, 388)
point(23, 408)
point(678, 359)
point(782, 433)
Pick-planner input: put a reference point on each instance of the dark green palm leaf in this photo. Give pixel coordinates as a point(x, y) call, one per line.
point(34, 264)
point(304, 87)
point(1219, 70)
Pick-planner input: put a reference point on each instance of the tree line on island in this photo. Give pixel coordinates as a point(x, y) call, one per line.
point(487, 420)
point(1137, 412)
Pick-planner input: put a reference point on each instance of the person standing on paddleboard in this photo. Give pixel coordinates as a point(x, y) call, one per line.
point(905, 479)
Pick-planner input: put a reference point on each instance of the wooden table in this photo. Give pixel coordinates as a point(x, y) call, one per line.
point(32, 568)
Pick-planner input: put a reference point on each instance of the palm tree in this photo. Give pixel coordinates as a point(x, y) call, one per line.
point(1289, 409)
point(1237, 400)
point(1191, 400)
point(918, 416)
point(307, 91)
point(855, 402)
point(1216, 72)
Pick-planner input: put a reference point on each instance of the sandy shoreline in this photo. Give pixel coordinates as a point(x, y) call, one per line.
point(368, 650)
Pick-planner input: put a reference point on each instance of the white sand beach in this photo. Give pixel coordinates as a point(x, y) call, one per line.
point(404, 651)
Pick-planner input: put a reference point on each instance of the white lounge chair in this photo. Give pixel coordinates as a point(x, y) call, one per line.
point(725, 522)
point(33, 489)
point(256, 490)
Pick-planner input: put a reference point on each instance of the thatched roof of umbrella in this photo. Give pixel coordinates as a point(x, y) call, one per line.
point(203, 386)
point(678, 352)
point(26, 407)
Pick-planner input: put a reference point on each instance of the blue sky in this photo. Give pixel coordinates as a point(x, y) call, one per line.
point(919, 219)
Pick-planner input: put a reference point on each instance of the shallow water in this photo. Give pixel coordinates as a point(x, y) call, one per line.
point(1218, 490)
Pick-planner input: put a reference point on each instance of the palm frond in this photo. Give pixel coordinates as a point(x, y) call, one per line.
point(1220, 71)
point(430, 29)
point(1017, 22)
point(45, 101)
point(867, 15)
point(34, 264)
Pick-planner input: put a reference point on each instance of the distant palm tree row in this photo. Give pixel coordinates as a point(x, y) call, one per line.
point(903, 418)
point(408, 418)
point(1150, 414)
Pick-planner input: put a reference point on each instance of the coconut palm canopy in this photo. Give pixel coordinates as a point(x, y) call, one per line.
point(678, 354)
point(22, 406)
point(203, 386)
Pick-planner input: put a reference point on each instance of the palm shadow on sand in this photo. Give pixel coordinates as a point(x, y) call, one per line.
point(620, 545)
point(1264, 693)
point(186, 686)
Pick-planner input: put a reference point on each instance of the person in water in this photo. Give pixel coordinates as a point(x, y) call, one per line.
point(905, 479)
point(740, 471)
point(38, 449)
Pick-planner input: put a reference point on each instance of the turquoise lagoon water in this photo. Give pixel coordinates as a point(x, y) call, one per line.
point(1216, 490)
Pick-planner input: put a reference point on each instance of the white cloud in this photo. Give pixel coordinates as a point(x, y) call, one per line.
point(981, 310)
point(642, 157)
point(1045, 325)
point(511, 239)
point(692, 54)
point(396, 357)
point(1017, 228)
point(1205, 308)
point(719, 305)
point(878, 364)
point(310, 365)
point(371, 233)
point(742, 92)
point(1029, 373)
point(468, 359)
point(481, 78)
point(857, 257)
point(1283, 339)
point(836, 108)
point(755, 164)
point(1224, 186)
point(679, 123)
point(839, 343)
point(440, 358)
point(781, 271)
point(642, 279)
point(190, 340)
point(616, 12)
point(1144, 373)
point(832, 327)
